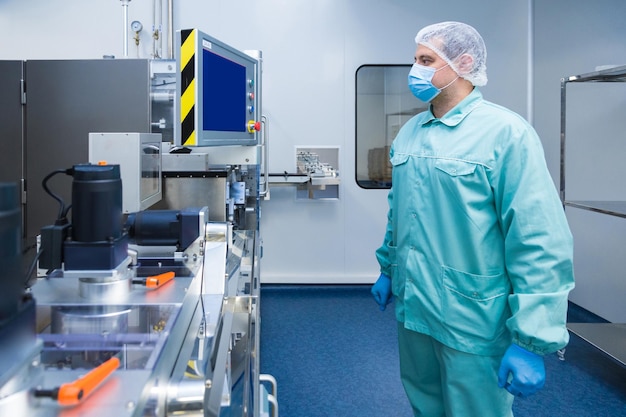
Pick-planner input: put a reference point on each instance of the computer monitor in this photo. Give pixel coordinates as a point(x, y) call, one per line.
point(218, 93)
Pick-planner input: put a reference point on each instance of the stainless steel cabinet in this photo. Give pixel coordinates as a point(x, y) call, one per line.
point(610, 338)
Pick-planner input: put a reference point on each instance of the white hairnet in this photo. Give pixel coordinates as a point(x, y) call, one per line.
point(451, 40)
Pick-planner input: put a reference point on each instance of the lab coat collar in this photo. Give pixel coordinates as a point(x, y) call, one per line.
point(456, 114)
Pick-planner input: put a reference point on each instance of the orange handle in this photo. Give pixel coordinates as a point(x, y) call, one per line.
point(158, 280)
point(73, 392)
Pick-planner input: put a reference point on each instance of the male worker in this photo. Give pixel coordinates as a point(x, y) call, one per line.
point(477, 251)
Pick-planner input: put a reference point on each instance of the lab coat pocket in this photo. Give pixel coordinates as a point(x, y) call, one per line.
point(399, 159)
point(455, 167)
point(475, 306)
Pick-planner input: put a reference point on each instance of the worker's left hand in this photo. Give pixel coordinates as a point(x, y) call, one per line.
point(527, 370)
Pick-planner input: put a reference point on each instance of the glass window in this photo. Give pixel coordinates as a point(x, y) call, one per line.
point(383, 104)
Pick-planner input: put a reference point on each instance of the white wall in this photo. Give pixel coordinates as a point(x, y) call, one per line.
point(311, 51)
point(69, 29)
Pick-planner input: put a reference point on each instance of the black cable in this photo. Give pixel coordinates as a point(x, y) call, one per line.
point(28, 249)
point(67, 210)
point(44, 183)
point(32, 267)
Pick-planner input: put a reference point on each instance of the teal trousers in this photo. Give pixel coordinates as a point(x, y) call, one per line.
point(444, 382)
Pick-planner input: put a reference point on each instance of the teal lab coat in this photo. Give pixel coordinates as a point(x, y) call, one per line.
point(477, 244)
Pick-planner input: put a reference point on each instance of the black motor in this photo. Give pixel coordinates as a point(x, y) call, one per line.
point(95, 239)
point(96, 203)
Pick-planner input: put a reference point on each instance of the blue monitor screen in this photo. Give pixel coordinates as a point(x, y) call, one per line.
point(224, 94)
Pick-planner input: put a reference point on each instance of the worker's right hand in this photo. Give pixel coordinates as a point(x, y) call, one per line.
point(381, 291)
point(521, 372)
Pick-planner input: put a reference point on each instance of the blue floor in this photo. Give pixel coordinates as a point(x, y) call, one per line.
point(334, 354)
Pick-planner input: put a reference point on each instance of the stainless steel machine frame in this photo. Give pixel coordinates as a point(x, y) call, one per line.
point(190, 347)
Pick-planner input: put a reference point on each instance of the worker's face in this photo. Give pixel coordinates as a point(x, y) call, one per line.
point(429, 58)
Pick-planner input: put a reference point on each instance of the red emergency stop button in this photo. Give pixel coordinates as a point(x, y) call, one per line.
point(253, 126)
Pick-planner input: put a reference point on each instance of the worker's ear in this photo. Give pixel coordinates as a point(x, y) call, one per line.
point(466, 64)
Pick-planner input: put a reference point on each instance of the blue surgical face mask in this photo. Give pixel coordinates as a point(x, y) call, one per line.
point(420, 82)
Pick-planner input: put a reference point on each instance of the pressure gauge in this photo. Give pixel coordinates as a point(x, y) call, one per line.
point(136, 26)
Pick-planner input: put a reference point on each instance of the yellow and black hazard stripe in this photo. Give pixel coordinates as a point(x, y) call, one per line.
point(188, 87)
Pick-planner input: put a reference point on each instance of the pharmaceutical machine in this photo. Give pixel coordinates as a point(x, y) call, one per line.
point(143, 296)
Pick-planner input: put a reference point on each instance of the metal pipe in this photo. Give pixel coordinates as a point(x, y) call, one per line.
point(563, 127)
point(186, 398)
point(125, 6)
point(170, 29)
point(157, 29)
point(265, 159)
point(154, 29)
point(160, 48)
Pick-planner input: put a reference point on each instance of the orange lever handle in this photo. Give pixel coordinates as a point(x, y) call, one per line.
point(73, 392)
point(159, 280)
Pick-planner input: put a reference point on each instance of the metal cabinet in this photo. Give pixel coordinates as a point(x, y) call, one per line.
point(610, 338)
point(65, 101)
point(49, 107)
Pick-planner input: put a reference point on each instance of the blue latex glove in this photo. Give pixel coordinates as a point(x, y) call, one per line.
point(381, 291)
point(528, 373)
